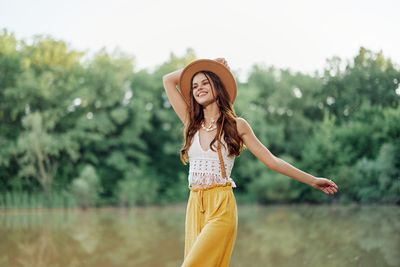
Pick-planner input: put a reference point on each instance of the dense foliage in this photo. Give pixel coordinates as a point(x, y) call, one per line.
point(97, 131)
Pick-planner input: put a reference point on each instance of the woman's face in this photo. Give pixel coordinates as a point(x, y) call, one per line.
point(202, 90)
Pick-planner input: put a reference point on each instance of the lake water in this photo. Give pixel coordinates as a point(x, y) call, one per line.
point(283, 235)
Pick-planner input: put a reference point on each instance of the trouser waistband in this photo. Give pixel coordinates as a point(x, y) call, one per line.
point(200, 191)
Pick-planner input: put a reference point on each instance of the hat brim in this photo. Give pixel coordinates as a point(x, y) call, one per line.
point(219, 69)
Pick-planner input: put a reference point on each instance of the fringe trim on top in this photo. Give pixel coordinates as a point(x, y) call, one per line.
point(204, 180)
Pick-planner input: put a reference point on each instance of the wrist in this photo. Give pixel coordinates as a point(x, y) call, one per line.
point(312, 180)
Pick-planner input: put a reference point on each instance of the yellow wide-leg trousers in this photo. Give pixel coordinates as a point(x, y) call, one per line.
point(210, 227)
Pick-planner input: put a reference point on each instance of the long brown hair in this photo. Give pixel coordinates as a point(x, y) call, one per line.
point(226, 121)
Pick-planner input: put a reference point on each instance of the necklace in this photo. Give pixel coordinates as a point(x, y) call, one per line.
point(211, 127)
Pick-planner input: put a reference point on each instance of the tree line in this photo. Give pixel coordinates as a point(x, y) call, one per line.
point(98, 131)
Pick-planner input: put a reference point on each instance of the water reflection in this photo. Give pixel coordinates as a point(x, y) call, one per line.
point(297, 235)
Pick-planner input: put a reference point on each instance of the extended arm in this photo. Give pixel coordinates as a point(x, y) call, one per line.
point(276, 164)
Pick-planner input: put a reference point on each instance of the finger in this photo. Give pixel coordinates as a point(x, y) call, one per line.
point(333, 183)
point(328, 190)
point(324, 190)
point(336, 187)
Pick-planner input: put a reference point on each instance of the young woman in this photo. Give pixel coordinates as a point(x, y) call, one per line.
point(213, 136)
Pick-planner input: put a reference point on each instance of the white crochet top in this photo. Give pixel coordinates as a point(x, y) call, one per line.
point(204, 166)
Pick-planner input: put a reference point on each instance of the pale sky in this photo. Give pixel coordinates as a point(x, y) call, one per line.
point(295, 34)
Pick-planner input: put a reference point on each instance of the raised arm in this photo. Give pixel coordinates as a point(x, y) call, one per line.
point(276, 164)
point(170, 82)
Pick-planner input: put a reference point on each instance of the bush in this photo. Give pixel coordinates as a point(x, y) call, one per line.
point(377, 180)
point(273, 187)
point(137, 189)
point(87, 187)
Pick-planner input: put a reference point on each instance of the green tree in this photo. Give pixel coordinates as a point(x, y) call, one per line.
point(87, 187)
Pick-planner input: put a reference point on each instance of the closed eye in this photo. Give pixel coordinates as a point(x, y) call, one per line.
point(195, 86)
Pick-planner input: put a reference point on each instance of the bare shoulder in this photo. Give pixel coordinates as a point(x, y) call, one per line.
point(243, 127)
point(254, 145)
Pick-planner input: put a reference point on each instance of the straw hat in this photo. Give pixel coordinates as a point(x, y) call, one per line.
point(207, 65)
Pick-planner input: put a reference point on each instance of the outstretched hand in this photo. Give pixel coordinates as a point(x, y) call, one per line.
point(325, 185)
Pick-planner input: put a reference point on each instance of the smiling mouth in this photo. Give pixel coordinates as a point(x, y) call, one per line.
point(202, 94)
